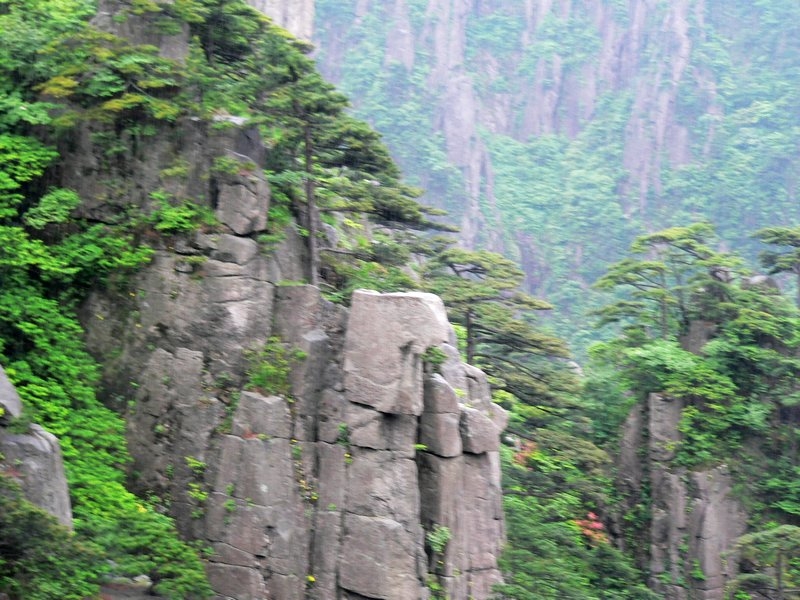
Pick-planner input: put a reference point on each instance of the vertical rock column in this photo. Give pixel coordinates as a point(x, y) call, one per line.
point(420, 460)
point(382, 554)
point(695, 521)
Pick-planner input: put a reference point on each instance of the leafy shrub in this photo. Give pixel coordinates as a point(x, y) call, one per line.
point(270, 367)
point(41, 559)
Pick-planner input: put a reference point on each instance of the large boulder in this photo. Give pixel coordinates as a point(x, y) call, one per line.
point(33, 458)
point(386, 337)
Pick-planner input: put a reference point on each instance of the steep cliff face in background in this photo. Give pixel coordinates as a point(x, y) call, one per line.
point(537, 124)
point(296, 16)
point(534, 82)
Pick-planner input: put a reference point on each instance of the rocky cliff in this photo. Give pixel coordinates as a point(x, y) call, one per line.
point(333, 490)
point(358, 466)
point(695, 518)
point(511, 69)
point(537, 124)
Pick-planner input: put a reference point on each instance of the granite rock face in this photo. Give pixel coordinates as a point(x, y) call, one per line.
point(33, 458)
point(323, 480)
point(328, 492)
point(695, 519)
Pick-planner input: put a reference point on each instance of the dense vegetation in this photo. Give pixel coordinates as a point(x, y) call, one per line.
point(58, 73)
point(330, 171)
point(559, 175)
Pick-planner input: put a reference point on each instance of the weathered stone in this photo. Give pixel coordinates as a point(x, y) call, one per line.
point(440, 397)
point(235, 249)
point(695, 521)
point(440, 433)
point(327, 537)
point(383, 484)
point(499, 416)
point(296, 16)
point(38, 465)
point(286, 587)
point(482, 517)
point(478, 433)
point(332, 409)
point(386, 336)
point(258, 416)
point(376, 561)
point(332, 480)
point(665, 414)
point(10, 403)
point(240, 583)
point(441, 486)
point(243, 207)
point(369, 428)
point(718, 520)
point(478, 391)
point(230, 555)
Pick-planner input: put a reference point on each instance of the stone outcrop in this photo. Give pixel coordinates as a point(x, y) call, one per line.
point(324, 480)
point(695, 519)
point(33, 458)
point(329, 492)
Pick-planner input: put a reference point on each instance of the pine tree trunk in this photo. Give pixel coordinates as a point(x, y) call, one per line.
point(470, 338)
point(312, 212)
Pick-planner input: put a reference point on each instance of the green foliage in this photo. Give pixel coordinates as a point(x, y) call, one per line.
point(557, 548)
point(183, 217)
point(481, 292)
point(270, 367)
point(786, 260)
point(435, 357)
point(438, 537)
point(772, 554)
point(740, 375)
point(39, 558)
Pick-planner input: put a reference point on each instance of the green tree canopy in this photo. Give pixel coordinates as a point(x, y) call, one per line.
point(786, 260)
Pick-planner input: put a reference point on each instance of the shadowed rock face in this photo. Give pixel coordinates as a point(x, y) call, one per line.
point(695, 520)
point(33, 458)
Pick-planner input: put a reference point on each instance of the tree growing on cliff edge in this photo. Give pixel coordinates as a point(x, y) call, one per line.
point(664, 279)
point(782, 261)
point(341, 162)
point(481, 292)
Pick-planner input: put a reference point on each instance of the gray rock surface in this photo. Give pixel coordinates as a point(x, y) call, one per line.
point(695, 519)
point(386, 337)
point(10, 404)
point(33, 459)
point(296, 16)
point(282, 486)
point(327, 493)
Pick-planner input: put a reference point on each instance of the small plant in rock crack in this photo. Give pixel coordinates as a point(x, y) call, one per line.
point(343, 437)
point(270, 367)
point(435, 357)
point(438, 537)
